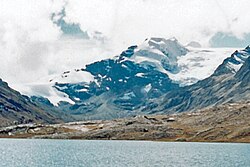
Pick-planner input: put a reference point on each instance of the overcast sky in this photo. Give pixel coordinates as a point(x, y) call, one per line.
point(40, 38)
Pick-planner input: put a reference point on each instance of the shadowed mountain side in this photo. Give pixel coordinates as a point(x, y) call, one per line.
point(18, 109)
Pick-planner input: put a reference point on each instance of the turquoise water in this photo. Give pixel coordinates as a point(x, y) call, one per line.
point(78, 153)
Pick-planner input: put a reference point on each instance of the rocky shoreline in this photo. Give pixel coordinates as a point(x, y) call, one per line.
point(225, 123)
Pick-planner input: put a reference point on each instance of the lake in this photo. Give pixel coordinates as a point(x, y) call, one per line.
point(79, 153)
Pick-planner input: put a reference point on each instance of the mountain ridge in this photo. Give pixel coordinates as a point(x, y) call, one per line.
point(16, 108)
point(221, 87)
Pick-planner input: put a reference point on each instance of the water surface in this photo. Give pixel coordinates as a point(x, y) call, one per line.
point(79, 153)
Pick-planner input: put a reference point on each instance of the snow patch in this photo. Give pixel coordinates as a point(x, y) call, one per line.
point(128, 96)
point(77, 99)
point(83, 90)
point(198, 64)
point(139, 74)
point(44, 90)
point(234, 67)
point(74, 77)
point(148, 88)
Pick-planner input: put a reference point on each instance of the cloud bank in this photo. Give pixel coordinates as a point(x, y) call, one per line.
point(34, 45)
point(131, 21)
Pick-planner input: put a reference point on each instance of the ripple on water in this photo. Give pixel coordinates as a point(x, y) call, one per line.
point(77, 153)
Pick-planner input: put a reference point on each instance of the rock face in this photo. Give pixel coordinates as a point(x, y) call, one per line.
point(17, 109)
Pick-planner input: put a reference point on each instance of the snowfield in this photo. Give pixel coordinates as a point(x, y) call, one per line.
point(199, 63)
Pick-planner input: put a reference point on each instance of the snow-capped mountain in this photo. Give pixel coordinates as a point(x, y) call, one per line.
point(158, 52)
point(147, 78)
point(184, 66)
point(131, 82)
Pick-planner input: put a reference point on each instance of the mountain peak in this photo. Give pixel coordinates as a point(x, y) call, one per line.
point(159, 52)
point(169, 47)
point(233, 63)
point(247, 49)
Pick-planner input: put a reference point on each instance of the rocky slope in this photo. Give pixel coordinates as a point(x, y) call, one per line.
point(224, 123)
point(18, 109)
point(229, 83)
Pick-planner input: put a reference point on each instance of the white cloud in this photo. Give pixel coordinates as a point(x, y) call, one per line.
point(24, 31)
point(31, 46)
point(127, 21)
